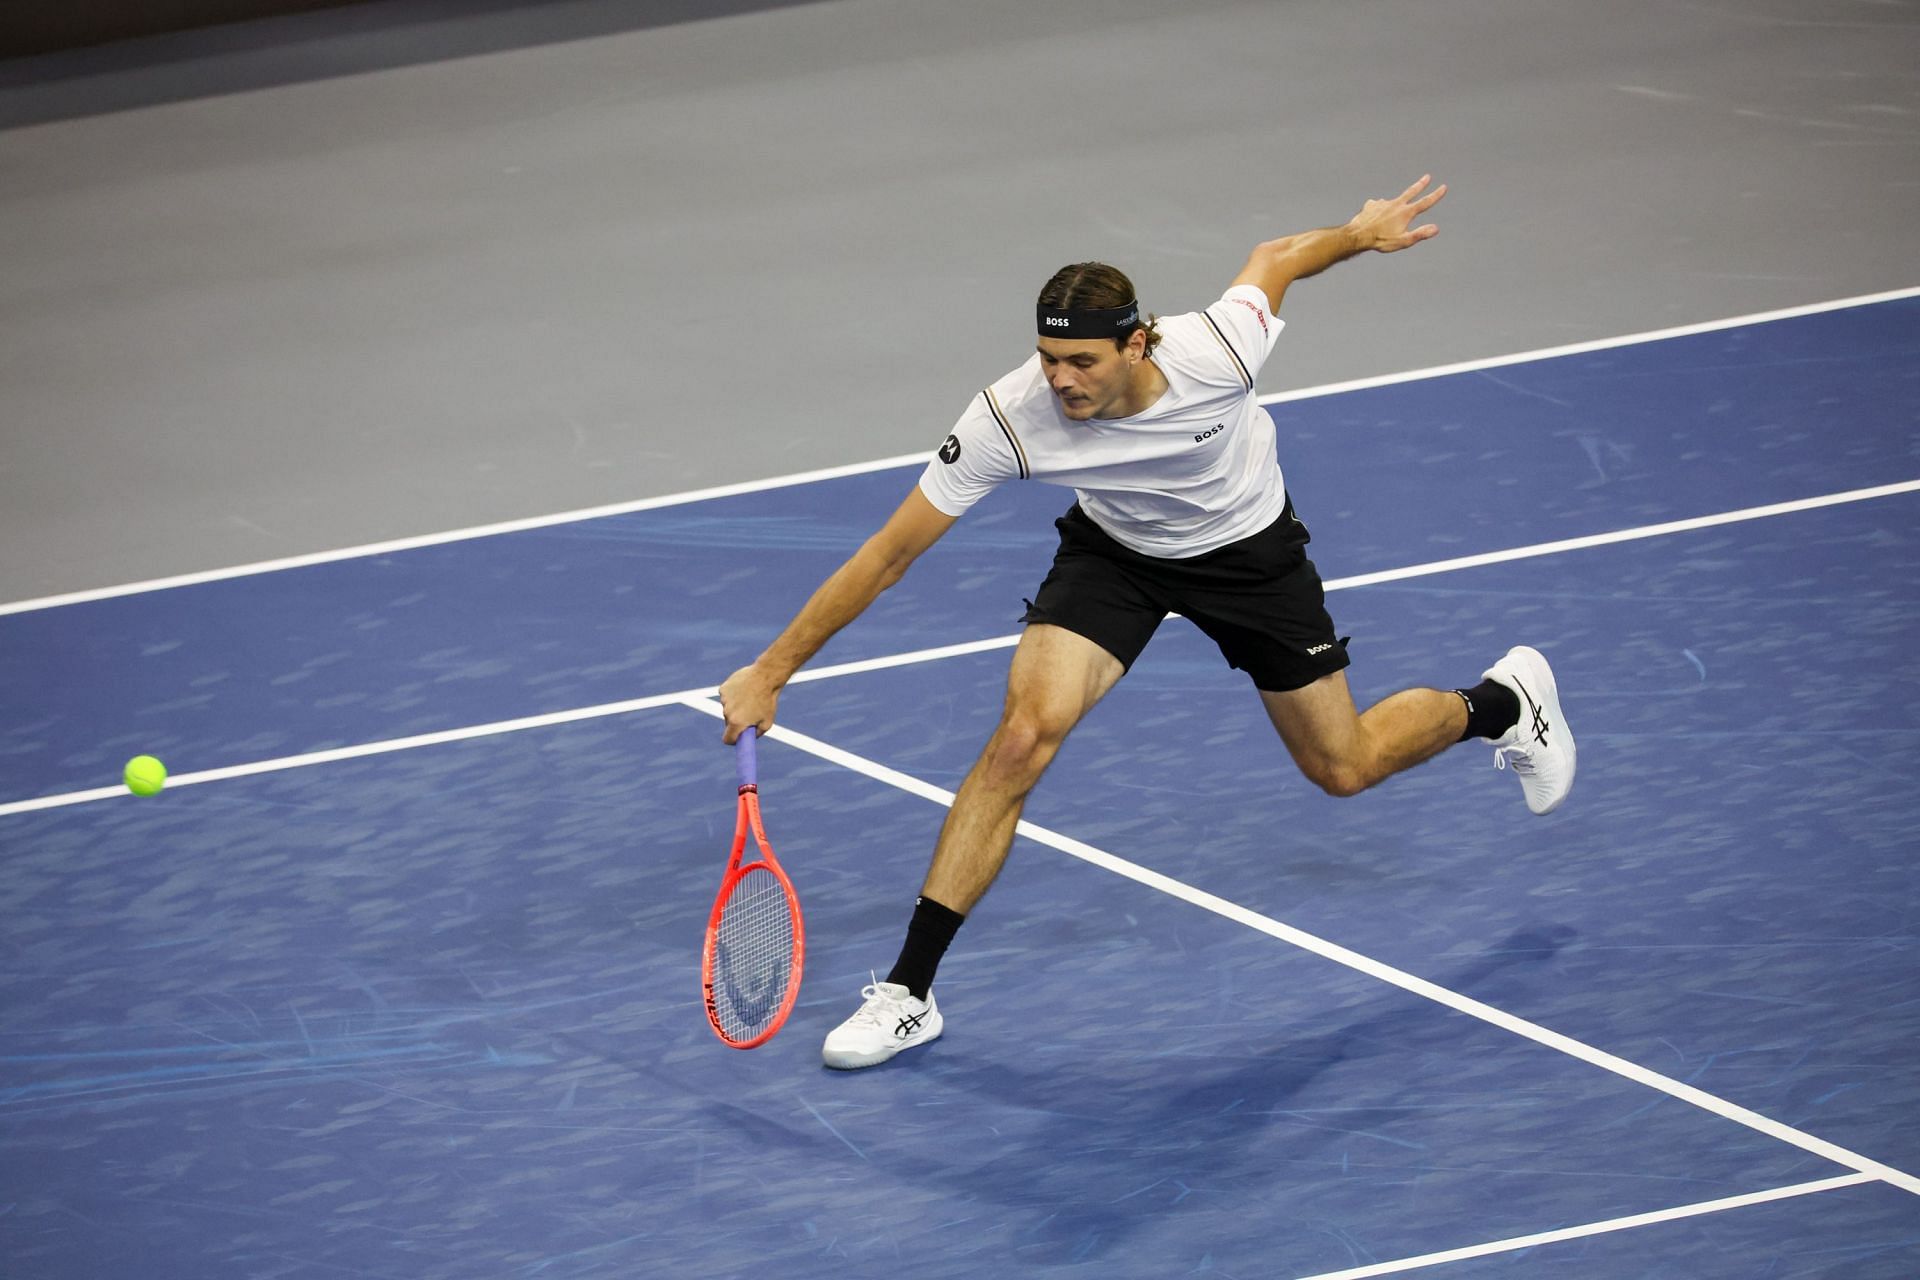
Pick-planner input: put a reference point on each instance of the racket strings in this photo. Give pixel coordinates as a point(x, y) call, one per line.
point(753, 954)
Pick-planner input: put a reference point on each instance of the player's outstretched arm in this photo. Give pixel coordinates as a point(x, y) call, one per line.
point(1381, 226)
point(751, 694)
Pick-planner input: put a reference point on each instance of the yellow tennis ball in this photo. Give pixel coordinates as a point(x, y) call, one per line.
point(145, 776)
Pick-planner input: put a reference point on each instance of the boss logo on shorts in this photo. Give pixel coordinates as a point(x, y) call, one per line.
point(1210, 431)
point(950, 449)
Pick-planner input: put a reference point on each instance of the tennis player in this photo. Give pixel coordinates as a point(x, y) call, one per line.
point(1181, 507)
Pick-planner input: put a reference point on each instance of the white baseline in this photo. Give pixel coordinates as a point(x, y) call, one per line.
point(917, 459)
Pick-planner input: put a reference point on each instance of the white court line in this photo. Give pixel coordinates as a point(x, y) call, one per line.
point(1598, 344)
point(459, 535)
point(361, 751)
point(1625, 535)
point(911, 459)
point(1378, 970)
point(941, 651)
point(1518, 1243)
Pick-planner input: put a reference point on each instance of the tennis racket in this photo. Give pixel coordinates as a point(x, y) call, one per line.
point(756, 942)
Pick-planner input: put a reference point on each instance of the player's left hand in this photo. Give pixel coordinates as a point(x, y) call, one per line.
point(1387, 225)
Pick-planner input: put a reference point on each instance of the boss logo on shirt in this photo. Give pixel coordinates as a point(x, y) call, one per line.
point(1210, 431)
point(951, 449)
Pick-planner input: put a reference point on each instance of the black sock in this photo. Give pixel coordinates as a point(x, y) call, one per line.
point(1492, 709)
point(928, 934)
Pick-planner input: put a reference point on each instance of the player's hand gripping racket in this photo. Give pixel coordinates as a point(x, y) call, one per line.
point(756, 942)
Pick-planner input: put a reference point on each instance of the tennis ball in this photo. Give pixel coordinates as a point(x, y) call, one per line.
point(145, 776)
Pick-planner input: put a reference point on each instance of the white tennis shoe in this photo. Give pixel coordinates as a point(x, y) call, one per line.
point(1539, 748)
point(889, 1021)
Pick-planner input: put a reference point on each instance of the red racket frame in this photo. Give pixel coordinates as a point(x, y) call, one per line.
point(748, 820)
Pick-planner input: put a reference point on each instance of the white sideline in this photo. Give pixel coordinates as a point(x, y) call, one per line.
point(942, 651)
point(1518, 1243)
point(1378, 970)
point(910, 459)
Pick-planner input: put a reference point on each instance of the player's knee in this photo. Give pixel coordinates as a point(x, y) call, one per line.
point(1024, 745)
point(1336, 777)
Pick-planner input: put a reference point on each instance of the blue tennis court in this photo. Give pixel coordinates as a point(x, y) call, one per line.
point(399, 977)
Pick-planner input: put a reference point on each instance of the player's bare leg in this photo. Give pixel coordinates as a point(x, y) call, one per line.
point(1344, 752)
point(1056, 678)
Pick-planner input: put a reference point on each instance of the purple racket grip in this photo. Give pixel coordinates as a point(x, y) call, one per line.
point(744, 758)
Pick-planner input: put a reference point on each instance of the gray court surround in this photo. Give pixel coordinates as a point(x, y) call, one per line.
point(393, 270)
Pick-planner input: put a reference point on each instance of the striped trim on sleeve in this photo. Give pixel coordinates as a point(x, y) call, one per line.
point(999, 416)
point(1245, 377)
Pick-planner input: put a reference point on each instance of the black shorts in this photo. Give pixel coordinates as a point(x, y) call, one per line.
point(1259, 599)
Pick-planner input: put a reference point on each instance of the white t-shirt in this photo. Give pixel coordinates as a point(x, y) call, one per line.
point(1195, 471)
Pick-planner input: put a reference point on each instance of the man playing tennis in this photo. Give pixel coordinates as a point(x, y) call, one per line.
point(1181, 508)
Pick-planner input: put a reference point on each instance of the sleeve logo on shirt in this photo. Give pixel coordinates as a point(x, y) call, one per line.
point(1258, 313)
point(950, 449)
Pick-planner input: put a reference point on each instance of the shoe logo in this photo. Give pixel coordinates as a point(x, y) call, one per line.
point(1540, 725)
point(909, 1025)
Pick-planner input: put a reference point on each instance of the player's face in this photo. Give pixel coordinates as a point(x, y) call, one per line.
point(1091, 378)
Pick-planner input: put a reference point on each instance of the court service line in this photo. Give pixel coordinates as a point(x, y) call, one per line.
point(544, 720)
point(1518, 1243)
point(361, 751)
point(395, 545)
point(939, 652)
point(1363, 964)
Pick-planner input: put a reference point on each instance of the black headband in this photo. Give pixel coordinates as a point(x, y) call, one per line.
point(1086, 322)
